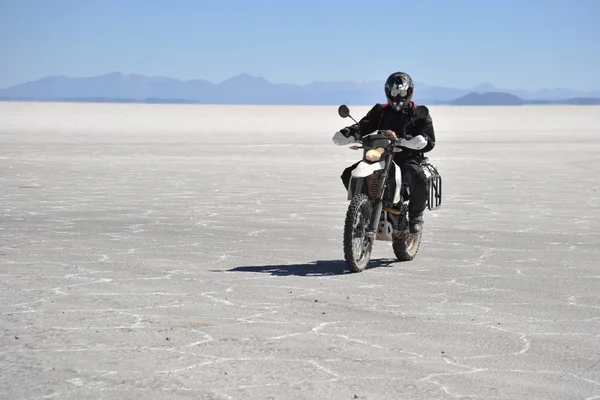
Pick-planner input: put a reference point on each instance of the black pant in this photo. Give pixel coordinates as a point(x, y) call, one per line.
point(413, 176)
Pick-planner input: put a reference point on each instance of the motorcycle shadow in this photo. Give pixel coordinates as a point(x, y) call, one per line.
point(315, 268)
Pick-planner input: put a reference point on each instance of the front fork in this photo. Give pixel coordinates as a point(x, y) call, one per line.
point(376, 216)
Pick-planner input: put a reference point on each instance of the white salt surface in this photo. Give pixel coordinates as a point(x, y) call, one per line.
point(174, 251)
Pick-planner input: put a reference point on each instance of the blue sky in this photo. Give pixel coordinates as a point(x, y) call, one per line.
point(527, 44)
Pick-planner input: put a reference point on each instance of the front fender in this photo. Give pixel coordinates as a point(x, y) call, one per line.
point(364, 169)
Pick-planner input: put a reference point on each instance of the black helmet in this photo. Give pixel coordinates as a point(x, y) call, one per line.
point(399, 89)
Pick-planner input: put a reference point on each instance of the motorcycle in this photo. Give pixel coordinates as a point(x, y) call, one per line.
point(378, 208)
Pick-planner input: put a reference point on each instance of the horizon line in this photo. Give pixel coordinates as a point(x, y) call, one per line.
point(285, 83)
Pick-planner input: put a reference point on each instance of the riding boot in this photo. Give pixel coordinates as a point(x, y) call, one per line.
point(415, 223)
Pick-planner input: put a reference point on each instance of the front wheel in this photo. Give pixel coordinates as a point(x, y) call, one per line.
point(357, 247)
point(407, 246)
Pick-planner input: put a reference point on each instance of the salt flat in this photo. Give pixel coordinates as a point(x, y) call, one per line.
point(153, 251)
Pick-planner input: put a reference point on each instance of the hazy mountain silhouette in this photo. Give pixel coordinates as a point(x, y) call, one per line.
point(508, 99)
point(246, 89)
point(544, 94)
point(488, 99)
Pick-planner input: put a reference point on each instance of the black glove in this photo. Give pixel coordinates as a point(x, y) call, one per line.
point(346, 132)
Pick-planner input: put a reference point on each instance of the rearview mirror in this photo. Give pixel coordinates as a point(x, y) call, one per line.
point(421, 112)
point(343, 111)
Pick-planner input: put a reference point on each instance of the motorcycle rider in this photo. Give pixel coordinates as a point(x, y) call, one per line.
point(391, 118)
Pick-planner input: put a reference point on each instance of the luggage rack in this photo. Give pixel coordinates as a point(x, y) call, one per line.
point(434, 185)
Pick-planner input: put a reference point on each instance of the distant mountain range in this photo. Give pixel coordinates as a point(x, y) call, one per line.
point(507, 99)
point(246, 89)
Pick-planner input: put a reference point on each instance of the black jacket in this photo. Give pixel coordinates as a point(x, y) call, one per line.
point(382, 117)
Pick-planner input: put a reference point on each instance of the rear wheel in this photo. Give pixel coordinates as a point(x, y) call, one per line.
point(406, 247)
point(357, 247)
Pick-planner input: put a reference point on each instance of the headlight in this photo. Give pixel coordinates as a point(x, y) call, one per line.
point(374, 154)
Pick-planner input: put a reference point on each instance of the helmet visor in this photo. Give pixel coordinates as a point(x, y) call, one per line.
point(397, 92)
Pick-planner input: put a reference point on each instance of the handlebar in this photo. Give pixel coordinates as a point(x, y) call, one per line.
point(381, 135)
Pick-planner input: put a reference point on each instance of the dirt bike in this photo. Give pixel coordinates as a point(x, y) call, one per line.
point(378, 207)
